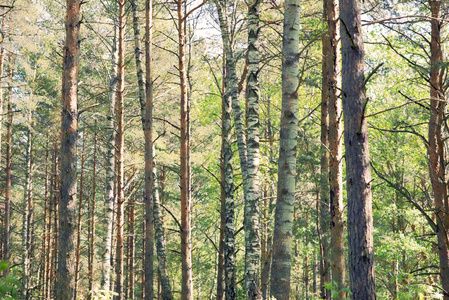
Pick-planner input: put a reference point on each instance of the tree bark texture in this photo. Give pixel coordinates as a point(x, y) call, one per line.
point(436, 151)
point(331, 73)
point(28, 215)
point(7, 242)
point(69, 135)
point(358, 174)
point(78, 225)
point(186, 201)
point(323, 207)
point(251, 215)
point(119, 152)
point(282, 235)
point(230, 93)
point(149, 179)
point(91, 248)
point(110, 165)
point(166, 292)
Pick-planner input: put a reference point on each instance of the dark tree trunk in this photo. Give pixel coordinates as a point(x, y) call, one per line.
point(358, 174)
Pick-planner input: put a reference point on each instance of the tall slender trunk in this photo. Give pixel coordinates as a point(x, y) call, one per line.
point(331, 73)
point(120, 151)
point(28, 215)
point(358, 174)
point(282, 235)
point(149, 179)
point(50, 232)
point(45, 234)
point(7, 246)
point(436, 151)
point(2, 59)
point(56, 206)
point(221, 286)
point(186, 201)
point(78, 227)
point(91, 249)
point(251, 215)
point(231, 92)
point(66, 254)
point(131, 250)
point(323, 208)
point(164, 279)
point(110, 165)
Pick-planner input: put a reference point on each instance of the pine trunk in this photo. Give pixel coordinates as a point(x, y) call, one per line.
point(323, 209)
point(120, 151)
point(148, 128)
point(66, 254)
point(358, 174)
point(436, 151)
point(331, 75)
point(186, 205)
point(282, 235)
point(7, 246)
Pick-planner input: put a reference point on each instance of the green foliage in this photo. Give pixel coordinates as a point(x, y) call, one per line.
point(101, 295)
point(9, 284)
point(333, 287)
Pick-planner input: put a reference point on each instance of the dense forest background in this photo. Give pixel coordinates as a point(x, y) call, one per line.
point(195, 200)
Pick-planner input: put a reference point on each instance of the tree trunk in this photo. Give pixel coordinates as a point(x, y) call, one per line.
point(7, 246)
point(28, 215)
point(148, 128)
point(50, 233)
point(221, 285)
point(91, 249)
point(331, 74)
point(282, 235)
point(231, 92)
point(251, 216)
point(358, 174)
point(186, 201)
point(66, 254)
point(120, 149)
point(78, 227)
point(45, 234)
point(110, 166)
point(131, 250)
point(436, 149)
point(323, 213)
point(166, 292)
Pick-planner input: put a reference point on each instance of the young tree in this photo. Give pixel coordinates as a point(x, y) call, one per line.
point(282, 235)
point(331, 78)
point(358, 174)
point(149, 180)
point(69, 134)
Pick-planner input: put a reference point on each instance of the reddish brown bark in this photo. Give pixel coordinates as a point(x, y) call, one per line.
point(66, 254)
